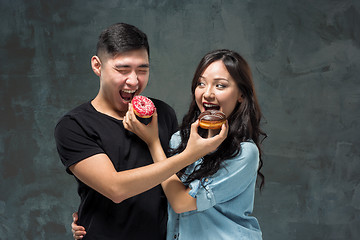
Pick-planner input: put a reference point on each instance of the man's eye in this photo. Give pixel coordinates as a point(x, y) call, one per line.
point(142, 71)
point(123, 71)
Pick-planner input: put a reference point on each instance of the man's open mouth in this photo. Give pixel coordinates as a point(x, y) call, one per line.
point(127, 95)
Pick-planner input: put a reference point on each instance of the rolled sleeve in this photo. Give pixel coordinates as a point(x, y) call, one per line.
point(175, 140)
point(230, 181)
point(205, 197)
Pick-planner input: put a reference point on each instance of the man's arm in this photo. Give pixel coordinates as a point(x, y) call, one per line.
point(99, 173)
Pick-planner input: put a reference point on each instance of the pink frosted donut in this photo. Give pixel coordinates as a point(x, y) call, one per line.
point(143, 106)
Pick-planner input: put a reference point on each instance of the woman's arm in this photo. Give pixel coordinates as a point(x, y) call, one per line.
point(175, 191)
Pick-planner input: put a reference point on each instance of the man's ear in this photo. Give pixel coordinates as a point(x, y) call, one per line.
point(96, 65)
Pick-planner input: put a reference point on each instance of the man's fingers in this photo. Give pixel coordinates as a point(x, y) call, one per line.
point(154, 119)
point(131, 112)
point(125, 124)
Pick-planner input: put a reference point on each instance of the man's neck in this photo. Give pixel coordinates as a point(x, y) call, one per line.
point(103, 107)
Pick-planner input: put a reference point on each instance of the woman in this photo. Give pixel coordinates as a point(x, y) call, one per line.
point(213, 198)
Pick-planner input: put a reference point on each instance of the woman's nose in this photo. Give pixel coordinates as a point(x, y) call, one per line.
point(209, 93)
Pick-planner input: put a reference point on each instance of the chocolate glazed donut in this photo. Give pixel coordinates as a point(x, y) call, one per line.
point(212, 119)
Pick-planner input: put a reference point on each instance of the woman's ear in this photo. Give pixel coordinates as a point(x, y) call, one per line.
point(240, 99)
point(96, 65)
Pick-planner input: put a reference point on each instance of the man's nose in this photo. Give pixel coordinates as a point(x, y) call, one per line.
point(132, 79)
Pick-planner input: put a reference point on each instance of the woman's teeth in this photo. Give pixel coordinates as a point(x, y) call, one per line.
point(208, 106)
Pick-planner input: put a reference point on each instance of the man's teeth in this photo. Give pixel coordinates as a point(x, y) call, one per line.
point(129, 91)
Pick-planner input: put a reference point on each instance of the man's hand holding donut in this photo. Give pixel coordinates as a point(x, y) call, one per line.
point(148, 133)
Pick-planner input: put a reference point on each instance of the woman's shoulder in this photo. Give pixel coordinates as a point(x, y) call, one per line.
point(250, 144)
point(249, 148)
point(175, 140)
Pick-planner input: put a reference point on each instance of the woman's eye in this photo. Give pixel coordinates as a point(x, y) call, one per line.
point(200, 84)
point(220, 86)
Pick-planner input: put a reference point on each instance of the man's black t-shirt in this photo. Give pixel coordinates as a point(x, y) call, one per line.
point(84, 132)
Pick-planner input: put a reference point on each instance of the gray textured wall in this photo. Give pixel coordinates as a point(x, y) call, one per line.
point(305, 57)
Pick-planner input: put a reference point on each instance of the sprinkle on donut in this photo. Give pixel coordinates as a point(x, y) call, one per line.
point(143, 106)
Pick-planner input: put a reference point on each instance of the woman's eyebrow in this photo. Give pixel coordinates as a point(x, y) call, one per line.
point(221, 78)
point(216, 79)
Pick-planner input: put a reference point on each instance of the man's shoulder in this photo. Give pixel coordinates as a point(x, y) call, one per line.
point(163, 108)
point(160, 104)
point(85, 107)
point(80, 111)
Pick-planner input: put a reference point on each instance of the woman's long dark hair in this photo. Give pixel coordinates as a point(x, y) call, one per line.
point(244, 121)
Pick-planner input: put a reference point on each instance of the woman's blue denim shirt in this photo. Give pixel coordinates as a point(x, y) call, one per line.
point(224, 201)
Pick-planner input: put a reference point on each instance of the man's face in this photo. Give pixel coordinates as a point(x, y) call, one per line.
point(122, 77)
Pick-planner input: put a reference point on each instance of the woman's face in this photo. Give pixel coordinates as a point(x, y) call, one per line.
point(216, 89)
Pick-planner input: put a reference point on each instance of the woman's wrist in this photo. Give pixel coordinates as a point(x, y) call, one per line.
point(154, 143)
point(156, 150)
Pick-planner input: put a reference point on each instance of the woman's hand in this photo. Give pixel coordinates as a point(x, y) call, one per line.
point(148, 133)
point(78, 231)
point(202, 146)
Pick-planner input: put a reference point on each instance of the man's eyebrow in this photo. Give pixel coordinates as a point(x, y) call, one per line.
point(128, 66)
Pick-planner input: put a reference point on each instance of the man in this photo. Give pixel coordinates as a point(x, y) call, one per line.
point(118, 181)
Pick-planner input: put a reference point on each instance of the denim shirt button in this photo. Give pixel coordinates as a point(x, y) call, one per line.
point(206, 179)
point(175, 236)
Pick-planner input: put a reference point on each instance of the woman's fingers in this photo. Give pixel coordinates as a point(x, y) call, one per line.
point(224, 130)
point(78, 231)
point(75, 217)
point(194, 126)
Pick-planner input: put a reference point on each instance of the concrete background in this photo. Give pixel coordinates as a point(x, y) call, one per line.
point(305, 57)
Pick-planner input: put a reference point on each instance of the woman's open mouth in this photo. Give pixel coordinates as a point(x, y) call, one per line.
point(210, 106)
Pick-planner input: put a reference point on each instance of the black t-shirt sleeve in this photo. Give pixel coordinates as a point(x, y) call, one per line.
point(73, 143)
point(174, 122)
